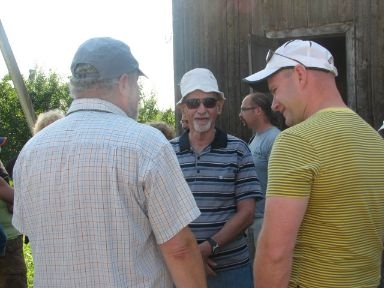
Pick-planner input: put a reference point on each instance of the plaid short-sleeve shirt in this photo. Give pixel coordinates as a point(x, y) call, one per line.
point(96, 193)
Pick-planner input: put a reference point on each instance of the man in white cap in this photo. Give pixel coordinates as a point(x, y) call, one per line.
point(220, 172)
point(323, 223)
point(100, 196)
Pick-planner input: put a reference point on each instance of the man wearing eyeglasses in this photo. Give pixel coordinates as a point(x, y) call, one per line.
point(219, 169)
point(323, 221)
point(256, 113)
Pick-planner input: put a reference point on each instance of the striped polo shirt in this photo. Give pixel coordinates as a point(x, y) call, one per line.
point(337, 160)
point(220, 176)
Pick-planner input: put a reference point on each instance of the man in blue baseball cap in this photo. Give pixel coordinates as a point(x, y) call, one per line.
point(109, 206)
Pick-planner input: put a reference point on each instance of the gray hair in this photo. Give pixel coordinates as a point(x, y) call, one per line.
point(88, 78)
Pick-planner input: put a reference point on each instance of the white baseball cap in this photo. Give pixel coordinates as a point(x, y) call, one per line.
point(307, 53)
point(382, 127)
point(198, 79)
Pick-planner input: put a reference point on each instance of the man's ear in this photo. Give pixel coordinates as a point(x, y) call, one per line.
point(219, 107)
point(301, 74)
point(258, 109)
point(123, 82)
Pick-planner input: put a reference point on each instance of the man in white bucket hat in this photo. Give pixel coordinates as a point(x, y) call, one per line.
point(323, 224)
point(219, 170)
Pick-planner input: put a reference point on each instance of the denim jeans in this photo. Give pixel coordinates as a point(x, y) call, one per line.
point(234, 278)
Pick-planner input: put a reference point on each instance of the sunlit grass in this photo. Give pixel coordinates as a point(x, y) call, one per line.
point(29, 262)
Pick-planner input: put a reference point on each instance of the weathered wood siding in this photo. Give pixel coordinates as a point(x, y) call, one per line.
point(215, 34)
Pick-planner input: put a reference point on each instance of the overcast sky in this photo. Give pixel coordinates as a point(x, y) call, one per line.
point(46, 34)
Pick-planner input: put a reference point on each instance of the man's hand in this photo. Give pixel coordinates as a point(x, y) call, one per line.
point(209, 265)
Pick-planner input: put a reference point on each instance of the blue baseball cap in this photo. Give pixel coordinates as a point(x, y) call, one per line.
point(110, 57)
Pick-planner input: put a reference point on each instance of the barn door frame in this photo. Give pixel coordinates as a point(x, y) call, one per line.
point(258, 47)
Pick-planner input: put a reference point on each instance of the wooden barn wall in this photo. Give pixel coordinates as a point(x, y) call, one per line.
point(214, 34)
point(367, 19)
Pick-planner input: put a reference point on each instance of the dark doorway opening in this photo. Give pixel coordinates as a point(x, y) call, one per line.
point(336, 45)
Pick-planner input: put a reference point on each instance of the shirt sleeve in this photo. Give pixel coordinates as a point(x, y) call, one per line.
point(293, 164)
point(171, 205)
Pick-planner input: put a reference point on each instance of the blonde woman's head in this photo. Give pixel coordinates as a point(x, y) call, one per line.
point(46, 118)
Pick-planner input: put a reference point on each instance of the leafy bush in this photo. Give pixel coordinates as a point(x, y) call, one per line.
point(29, 262)
point(51, 92)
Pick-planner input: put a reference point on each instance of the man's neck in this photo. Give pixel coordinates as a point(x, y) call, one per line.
point(200, 140)
point(262, 126)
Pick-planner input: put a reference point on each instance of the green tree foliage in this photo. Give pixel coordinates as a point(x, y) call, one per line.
point(149, 110)
point(51, 92)
point(46, 92)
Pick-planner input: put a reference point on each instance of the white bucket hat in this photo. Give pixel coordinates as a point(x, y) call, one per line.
point(198, 79)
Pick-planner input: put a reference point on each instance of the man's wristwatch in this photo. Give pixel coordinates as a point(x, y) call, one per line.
point(215, 246)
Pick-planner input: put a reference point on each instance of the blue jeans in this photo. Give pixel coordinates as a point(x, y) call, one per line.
point(234, 278)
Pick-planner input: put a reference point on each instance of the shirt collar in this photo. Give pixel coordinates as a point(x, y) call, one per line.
point(94, 104)
point(220, 140)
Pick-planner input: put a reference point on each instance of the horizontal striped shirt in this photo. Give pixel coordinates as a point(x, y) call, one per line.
point(337, 160)
point(219, 177)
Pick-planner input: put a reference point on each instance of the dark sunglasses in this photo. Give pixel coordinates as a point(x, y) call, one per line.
point(194, 103)
point(272, 52)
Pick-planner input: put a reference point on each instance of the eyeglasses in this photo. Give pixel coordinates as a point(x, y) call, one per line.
point(272, 52)
point(243, 109)
point(194, 103)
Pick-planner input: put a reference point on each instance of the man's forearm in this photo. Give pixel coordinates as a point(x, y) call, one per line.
point(238, 223)
point(270, 271)
point(184, 260)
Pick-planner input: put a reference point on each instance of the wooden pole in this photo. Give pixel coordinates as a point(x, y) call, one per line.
point(18, 82)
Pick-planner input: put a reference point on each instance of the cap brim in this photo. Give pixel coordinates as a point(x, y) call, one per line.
point(3, 140)
point(141, 73)
point(261, 75)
